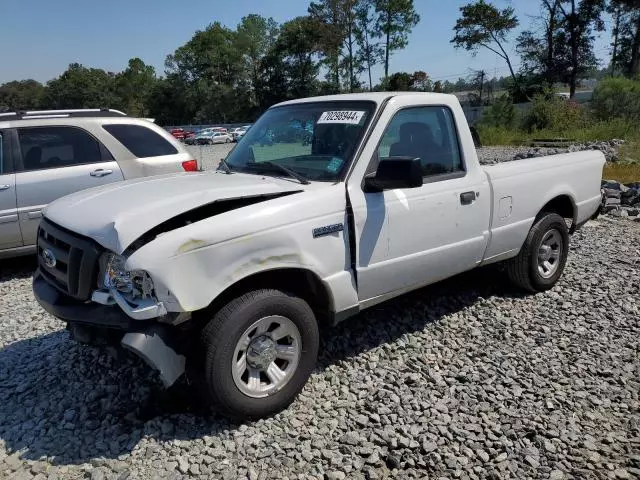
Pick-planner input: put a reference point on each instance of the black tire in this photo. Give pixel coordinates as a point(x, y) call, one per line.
point(221, 335)
point(523, 269)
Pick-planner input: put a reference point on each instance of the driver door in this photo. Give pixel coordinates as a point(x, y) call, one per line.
point(415, 236)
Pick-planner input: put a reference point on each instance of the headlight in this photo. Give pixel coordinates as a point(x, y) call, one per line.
point(136, 283)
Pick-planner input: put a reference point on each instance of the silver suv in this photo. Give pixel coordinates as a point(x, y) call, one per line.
point(45, 155)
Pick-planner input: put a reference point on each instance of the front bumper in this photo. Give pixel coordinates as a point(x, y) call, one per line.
point(70, 310)
point(160, 345)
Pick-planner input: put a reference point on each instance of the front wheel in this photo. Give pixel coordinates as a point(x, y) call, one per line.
point(260, 349)
point(543, 256)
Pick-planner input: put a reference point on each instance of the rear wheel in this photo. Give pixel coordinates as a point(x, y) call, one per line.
point(542, 259)
point(260, 349)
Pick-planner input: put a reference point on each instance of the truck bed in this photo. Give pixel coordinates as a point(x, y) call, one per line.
point(520, 187)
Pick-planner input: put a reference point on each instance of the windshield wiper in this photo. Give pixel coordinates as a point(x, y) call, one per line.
point(292, 173)
point(225, 166)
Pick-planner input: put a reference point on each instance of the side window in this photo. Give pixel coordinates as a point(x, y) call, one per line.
point(427, 133)
point(141, 141)
point(55, 147)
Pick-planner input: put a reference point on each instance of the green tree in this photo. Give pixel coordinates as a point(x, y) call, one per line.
point(298, 46)
point(22, 95)
point(421, 82)
point(82, 87)
point(168, 101)
point(626, 48)
point(134, 86)
point(580, 19)
point(483, 25)
point(501, 113)
point(544, 52)
point(399, 82)
point(448, 87)
point(212, 69)
point(395, 21)
point(338, 22)
point(329, 18)
point(256, 37)
point(273, 84)
point(212, 53)
point(370, 52)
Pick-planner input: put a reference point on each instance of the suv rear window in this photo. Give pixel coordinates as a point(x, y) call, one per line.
point(141, 141)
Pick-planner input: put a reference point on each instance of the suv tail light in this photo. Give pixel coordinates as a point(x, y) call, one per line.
point(190, 166)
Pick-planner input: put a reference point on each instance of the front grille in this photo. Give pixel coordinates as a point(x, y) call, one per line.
point(76, 260)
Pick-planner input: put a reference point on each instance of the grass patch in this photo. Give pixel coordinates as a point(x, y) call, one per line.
point(490, 135)
point(622, 173)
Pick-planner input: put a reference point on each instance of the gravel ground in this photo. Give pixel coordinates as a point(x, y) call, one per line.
point(209, 155)
point(466, 379)
point(492, 155)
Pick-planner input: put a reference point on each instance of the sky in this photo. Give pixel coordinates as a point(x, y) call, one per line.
point(40, 38)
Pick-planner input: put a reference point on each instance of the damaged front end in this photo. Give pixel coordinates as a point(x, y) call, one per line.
point(88, 278)
point(104, 304)
point(132, 291)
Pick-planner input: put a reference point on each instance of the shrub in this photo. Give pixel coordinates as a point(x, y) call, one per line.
point(550, 112)
point(501, 113)
point(617, 98)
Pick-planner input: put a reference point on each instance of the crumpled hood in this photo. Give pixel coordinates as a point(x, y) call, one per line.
point(117, 214)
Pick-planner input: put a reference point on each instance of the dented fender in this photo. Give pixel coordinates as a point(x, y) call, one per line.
point(193, 265)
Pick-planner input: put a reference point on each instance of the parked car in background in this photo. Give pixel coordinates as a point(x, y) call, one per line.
point(211, 137)
point(191, 140)
point(239, 132)
point(178, 133)
point(45, 155)
point(181, 134)
point(234, 132)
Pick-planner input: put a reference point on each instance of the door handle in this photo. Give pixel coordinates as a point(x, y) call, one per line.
point(467, 198)
point(101, 173)
point(4, 187)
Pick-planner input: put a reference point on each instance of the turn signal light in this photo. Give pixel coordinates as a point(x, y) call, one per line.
point(190, 166)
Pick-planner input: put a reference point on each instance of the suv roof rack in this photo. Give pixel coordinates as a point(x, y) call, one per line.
point(80, 112)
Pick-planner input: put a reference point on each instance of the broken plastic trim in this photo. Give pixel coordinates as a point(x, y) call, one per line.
point(197, 214)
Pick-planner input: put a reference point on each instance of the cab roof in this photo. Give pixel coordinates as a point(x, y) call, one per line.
point(377, 97)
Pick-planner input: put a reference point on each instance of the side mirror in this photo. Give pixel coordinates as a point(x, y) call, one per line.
point(395, 172)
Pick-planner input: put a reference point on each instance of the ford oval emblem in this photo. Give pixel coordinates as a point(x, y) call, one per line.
point(49, 258)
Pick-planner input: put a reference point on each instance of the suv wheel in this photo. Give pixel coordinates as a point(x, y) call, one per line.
point(543, 256)
point(260, 349)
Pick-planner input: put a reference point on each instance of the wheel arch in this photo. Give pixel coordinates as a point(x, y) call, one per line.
point(296, 280)
point(564, 205)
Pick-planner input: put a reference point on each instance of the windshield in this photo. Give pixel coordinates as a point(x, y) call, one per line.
point(316, 140)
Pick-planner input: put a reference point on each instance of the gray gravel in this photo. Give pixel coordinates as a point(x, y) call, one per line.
point(466, 379)
point(492, 155)
point(209, 156)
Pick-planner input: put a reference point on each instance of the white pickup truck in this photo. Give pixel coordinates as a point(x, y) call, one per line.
point(327, 206)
